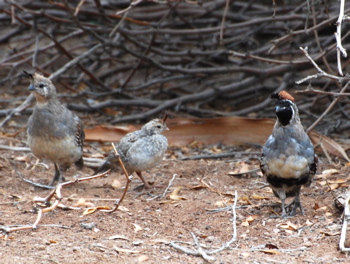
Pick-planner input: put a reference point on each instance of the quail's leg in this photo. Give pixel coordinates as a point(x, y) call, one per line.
point(56, 177)
point(284, 213)
point(144, 185)
point(282, 195)
point(296, 204)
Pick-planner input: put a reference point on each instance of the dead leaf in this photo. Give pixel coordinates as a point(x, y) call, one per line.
point(220, 204)
point(289, 225)
point(330, 172)
point(94, 209)
point(215, 149)
point(123, 209)
point(328, 144)
point(241, 169)
point(137, 228)
point(323, 208)
point(142, 258)
point(308, 223)
point(118, 237)
point(334, 186)
point(107, 133)
point(326, 233)
point(328, 214)
point(174, 195)
point(197, 187)
point(245, 223)
point(160, 240)
point(23, 158)
point(83, 203)
point(233, 131)
point(244, 200)
point(116, 184)
point(118, 249)
point(251, 218)
point(338, 181)
point(270, 251)
point(258, 197)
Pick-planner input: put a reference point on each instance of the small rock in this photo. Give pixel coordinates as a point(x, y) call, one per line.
point(142, 258)
point(210, 239)
point(76, 249)
point(137, 243)
point(40, 247)
point(88, 225)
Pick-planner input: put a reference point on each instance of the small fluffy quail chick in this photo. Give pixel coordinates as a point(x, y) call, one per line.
point(54, 132)
point(140, 150)
point(288, 160)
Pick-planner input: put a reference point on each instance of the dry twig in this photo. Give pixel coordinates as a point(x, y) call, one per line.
point(175, 55)
point(204, 253)
point(346, 220)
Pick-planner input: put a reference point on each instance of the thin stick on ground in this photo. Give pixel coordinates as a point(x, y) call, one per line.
point(118, 202)
point(57, 192)
point(168, 187)
point(346, 219)
point(30, 181)
point(200, 251)
point(9, 229)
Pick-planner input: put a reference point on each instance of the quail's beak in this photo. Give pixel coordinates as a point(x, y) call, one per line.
point(166, 129)
point(31, 87)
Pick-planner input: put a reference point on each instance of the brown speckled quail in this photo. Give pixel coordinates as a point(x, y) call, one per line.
point(288, 158)
point(140, 150)
point(54, 132)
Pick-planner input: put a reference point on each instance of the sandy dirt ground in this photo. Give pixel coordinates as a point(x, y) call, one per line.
point(147, 223)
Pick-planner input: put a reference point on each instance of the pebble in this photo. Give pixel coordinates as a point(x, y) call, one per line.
point(88, 225)
point(40, 247)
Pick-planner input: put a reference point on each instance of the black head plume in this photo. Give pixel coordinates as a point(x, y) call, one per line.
point(27, 74)
point(284, 107)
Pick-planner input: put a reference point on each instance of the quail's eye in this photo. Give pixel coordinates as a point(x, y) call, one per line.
point(41, 85)
point(159, 127)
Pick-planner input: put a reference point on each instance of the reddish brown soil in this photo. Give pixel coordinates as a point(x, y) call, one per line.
point(146, 224)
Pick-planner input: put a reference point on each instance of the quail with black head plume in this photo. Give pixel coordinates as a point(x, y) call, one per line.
point(288, 159)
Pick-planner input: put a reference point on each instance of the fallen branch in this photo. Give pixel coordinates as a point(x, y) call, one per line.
point(346, 220)
point(220, 155)
point(46, 201)
point(168, 187)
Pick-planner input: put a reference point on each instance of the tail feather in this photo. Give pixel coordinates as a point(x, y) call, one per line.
point(104, 167)
point(110, 164)
point(80, 163)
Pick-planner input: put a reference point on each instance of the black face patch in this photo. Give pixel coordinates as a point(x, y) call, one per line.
point(284, 112)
